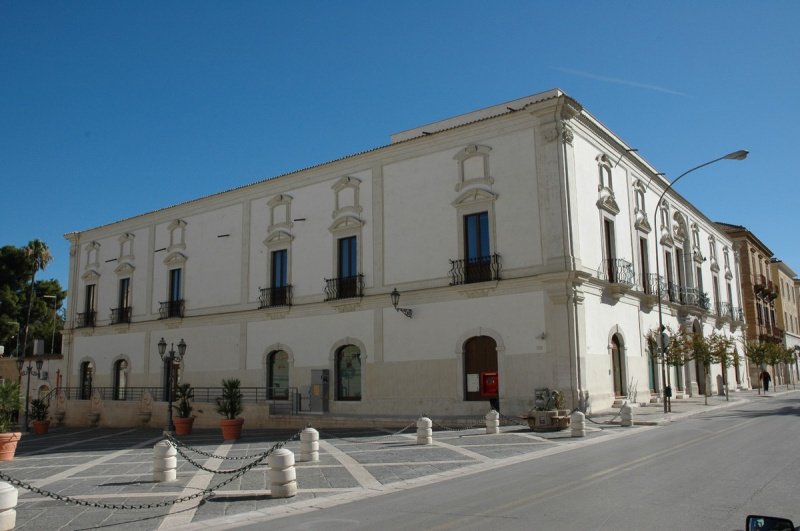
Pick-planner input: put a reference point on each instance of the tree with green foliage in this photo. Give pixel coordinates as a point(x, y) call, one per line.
point(22, 299)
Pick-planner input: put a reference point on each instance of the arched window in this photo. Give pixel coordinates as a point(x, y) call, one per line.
point(278, 375)
point(120, 379)
point(87, 369)
point(348, 373)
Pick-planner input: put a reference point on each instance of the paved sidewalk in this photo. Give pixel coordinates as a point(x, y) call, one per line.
point(114, 467)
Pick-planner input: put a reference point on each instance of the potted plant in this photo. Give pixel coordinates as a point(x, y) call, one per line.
point(547, 413)
point(229, 405)
point(10, 403)
point(39, 414)
point(183, 420)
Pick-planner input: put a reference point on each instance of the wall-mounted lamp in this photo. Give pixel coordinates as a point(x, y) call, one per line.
point(395, 295)
point(542, 336)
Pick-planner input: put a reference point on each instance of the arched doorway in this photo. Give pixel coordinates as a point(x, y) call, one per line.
point(86, 371)
point(480, 370)
point(120, 379)
point(348, 373)
point(618, 366)
point(278, 375)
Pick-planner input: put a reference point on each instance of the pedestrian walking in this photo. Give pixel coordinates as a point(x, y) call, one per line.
point(765, 379)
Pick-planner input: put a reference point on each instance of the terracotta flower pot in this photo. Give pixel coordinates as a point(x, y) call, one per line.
point(183, 426)
point(231, 428)
point(40, 427)
point(8, 445)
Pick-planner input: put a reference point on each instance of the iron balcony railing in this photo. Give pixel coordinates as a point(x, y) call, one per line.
point(726, 309)
point(344, 287)
point(86, 319)
point(478, 269)
point(271, 297)
point(695, 297)
point(673, 292)
point(171, 309)
point(617, 271)
point(652, 284)
point(286, 401)
point(121, 315)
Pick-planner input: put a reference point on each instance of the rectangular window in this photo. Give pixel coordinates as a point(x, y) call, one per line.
point(175, 284)
point(124, 293)
point(669, 272)
point(279, 294)
point(715, 287)
point(477, 251)
point(609, 249)
point(279, 274)
point(348, 257)
point(644, 265)
point(89, 303)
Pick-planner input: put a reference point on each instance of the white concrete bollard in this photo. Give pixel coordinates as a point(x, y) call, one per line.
point(577, 422)
point(492, 422)
point(309, 445)
point(8, 504)
point(626, 413)
point(282, 474)
point(424, 431)
point(165, 462)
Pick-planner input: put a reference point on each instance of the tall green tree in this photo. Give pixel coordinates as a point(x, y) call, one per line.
point(19, 304)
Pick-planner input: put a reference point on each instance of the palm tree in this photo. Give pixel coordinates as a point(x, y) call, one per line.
point(38, 255)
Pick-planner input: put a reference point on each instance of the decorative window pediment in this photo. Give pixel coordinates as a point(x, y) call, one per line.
point(280, 212)
point(473, 166)
point(175, 259)
point(712, 252)
point(679, 228)
point(640, 214)
point(346, 197)
point(605, 186)
point(126, 246)
point(475, 196)
point(90, 276)
point(346, 223)
point(278, 237)
point(92, 255)
point(124, 269)
point(177, 235)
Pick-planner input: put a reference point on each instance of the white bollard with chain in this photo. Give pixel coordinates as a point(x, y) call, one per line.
point(577, 422)
point(424, 431)
point(8, 504)
point(309, 445)
point(282, 474)
point(492, 422)
point(165, 462)
point(626, 414)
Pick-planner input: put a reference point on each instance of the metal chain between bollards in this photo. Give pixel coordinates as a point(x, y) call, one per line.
point(121, 506)
point(479, 424)
point(176, 443)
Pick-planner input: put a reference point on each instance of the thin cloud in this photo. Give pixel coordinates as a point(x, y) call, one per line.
point(621, 81)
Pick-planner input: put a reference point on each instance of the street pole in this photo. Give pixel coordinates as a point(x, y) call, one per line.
point(736, 155)
point(169, 359)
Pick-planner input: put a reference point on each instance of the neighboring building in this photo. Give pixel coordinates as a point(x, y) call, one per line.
point(520, 235)
point(786, 307)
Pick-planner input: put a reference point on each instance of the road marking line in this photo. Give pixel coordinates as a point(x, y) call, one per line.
point(356, 469)
point(182, 513)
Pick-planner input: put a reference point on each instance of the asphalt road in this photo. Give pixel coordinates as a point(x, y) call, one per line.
point(705, 472)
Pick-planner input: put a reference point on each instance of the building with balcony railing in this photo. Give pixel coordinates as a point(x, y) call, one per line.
point(513, 244)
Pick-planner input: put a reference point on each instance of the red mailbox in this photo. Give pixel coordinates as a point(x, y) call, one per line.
point(489, 384)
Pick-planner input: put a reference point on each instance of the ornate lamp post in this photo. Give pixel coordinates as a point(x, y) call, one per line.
point(169, 359)
point(28, 371)
point(736, 155)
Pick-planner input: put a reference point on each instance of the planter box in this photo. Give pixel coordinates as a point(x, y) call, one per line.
point(548, 420)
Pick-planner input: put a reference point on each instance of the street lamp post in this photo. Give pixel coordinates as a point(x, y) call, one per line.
point(736, 155)
point(169, 359)
point(28, 371)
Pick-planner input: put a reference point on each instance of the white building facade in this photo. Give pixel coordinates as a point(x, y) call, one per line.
point(521, 236)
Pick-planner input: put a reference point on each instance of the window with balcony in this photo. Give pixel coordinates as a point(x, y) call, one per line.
point(174, 305)
point(349, 283)
point(88, 317)
point(122, 313)
point(280, 291)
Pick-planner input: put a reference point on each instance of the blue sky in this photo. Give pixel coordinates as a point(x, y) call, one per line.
point(112, 109)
